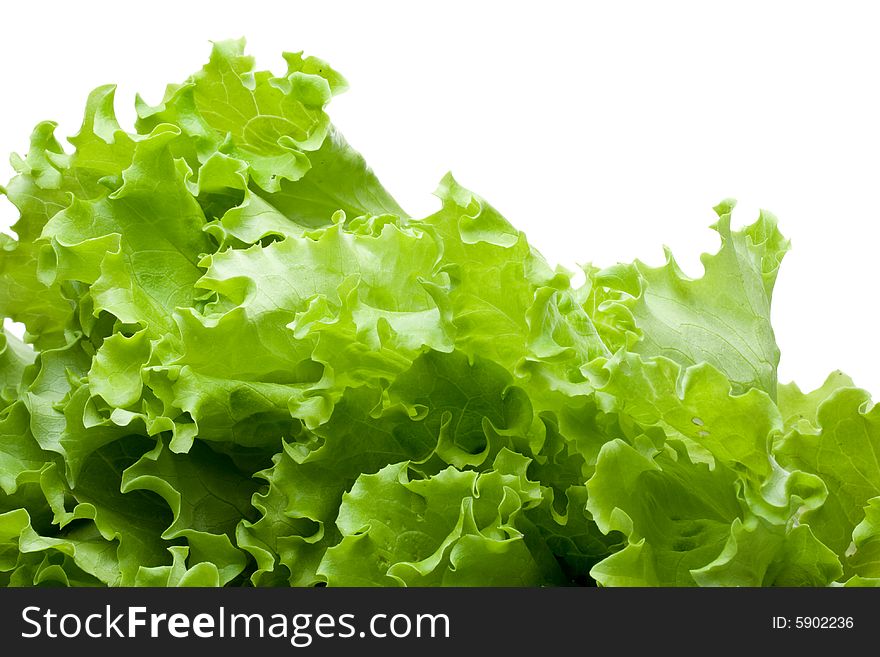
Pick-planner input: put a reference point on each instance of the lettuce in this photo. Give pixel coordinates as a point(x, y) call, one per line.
point(244, 364)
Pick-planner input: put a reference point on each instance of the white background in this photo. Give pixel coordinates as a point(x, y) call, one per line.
point(603, 130)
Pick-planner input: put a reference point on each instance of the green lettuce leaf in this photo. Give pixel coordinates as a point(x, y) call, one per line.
point(687, 525)
point(847, 425)
point(722, 318)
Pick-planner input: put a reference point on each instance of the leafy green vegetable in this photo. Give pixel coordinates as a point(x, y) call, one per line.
point(244, 364)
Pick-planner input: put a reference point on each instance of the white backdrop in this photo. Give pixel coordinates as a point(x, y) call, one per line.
point(603, 130)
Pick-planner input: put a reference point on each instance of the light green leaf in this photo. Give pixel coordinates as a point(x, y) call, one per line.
point(722, 318)
point(844, 453)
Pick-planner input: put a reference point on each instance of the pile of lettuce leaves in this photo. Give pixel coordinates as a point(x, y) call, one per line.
point(245, 365)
